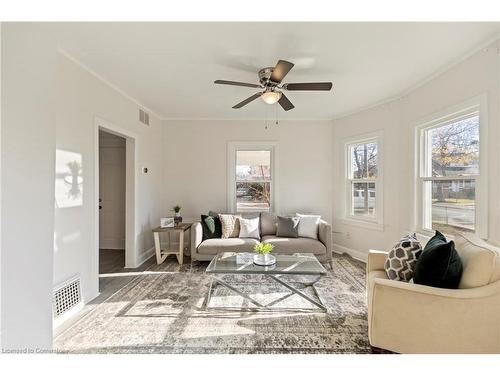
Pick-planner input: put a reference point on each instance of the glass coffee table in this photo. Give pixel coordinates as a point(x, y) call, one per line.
point(300, 264)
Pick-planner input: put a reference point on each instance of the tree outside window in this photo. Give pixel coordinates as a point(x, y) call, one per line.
point(362, 178)
point(450, 165)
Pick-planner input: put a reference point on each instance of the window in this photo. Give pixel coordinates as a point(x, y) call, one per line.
point(251, 177)
point(363, 180)
point(449, 174)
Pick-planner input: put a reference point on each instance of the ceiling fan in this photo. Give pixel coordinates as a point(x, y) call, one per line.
point(270, 80)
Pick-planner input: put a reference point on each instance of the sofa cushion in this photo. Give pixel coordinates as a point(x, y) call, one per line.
point(249, 215)
point(285, 245)
point(249, 228)
point(402, 258)
point(230, 225)
point(288, 227)
point(439, 265)
point(481, 261)
point(220, 245)
point(214, 213)
point(211, 227)
point(268, 223)
point(308, 225)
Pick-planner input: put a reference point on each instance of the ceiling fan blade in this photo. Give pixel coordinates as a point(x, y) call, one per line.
point(248, 100)
point(285, 103)
point(234, 83)
point(280, 71)
point(313, 86)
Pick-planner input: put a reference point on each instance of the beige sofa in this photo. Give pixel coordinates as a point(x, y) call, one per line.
point(206, 250)
point(409, 318)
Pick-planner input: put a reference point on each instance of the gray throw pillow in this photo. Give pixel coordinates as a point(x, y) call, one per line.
point(288, 227)
point(268, 223)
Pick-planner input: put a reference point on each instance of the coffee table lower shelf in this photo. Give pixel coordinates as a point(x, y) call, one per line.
point(258, 306)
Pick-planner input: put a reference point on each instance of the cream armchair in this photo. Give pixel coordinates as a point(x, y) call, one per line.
point(409, 318)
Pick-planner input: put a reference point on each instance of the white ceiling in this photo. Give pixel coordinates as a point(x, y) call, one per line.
point(170, 67)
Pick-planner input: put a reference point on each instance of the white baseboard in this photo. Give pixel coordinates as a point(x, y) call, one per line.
point(145, 256)
point(61, 324)
point(76, 314)
point(356, 254)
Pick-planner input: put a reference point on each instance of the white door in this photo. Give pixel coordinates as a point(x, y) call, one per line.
point(111, 191)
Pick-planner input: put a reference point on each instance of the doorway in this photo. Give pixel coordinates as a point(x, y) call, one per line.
point(112, 202)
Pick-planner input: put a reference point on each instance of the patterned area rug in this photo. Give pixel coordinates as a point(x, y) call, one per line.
point(163, 312)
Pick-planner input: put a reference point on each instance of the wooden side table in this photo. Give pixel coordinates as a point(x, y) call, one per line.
point(162, 254)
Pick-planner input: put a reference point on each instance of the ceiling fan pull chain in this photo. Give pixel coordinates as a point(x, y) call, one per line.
point(266, 118)
point(276, 112)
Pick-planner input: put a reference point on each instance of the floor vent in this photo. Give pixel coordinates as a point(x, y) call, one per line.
point(66, 297)
point(144, 117)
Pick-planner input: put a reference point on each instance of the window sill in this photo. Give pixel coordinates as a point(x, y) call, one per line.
point(363, 224)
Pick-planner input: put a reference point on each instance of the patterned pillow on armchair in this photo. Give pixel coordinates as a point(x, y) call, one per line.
point(402, 258)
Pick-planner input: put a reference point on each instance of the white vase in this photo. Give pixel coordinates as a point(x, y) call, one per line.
point(264, 259)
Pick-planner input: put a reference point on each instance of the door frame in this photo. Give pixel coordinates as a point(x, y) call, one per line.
point(130, 191)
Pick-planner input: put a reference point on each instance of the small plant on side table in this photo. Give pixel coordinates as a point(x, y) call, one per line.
point(177, 215)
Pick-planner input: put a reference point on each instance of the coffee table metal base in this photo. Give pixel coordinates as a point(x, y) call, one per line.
point(268, 307)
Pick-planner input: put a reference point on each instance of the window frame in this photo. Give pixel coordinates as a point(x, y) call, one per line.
point(423, 161)
point(232, 149)
point(375, 222)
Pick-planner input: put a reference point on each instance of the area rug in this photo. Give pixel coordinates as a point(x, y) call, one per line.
point(164, 312)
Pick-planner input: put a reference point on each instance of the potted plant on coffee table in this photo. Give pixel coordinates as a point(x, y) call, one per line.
point(263, 256)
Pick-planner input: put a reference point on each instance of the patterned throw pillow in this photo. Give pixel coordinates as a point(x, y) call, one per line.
point(230, 225)
point(402, 259)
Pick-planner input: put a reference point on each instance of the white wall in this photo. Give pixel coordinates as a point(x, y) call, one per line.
point(81, 97)
point(477, 75)
point(195, 164)
point(27, 216)
point(0, 183)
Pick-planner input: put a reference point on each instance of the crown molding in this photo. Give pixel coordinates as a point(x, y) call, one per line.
point(73, 59)
point(437, 73)
point(385, 101)
point(270, 120)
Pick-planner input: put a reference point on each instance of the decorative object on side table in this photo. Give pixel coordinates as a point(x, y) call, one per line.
point(167, 222)
point(177, 214)
point(263, 256)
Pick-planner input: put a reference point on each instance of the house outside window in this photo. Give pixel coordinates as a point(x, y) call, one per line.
point(449, 182)
point(363, 180)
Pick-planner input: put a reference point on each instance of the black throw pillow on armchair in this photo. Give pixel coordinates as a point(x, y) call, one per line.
point(439, 265)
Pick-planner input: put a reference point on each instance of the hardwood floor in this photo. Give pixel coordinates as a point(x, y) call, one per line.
point(113, 276)
point(113, 262)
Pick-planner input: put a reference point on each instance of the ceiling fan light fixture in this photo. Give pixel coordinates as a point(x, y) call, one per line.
point(271, 97)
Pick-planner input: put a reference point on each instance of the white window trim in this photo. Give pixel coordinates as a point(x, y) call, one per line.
point(234, 146)
point(437, 119)
point(365, 222)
